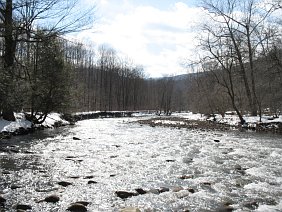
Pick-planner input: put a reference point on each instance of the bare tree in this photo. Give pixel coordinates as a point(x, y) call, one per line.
point(245, 25)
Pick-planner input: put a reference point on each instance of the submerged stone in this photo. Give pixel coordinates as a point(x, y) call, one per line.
point(184, 177)
point(177, 189)
point(225, 209)
point(130, 209)
point(251, 205)
point(187, 160)
point(82, 203)
point(154, 191)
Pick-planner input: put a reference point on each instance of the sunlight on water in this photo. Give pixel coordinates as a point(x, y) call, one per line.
point(199, 170)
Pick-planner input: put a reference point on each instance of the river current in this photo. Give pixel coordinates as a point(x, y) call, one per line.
point(198, 170)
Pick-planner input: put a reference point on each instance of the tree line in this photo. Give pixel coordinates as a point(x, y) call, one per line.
point(240, 63)
point(34, 76)
point(105, 81)
point(42, 72)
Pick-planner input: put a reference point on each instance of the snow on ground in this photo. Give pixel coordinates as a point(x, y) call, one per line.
point(21, 122)
point(169, 122)
point(190, 116)
point(11, 126)
point(52, 118)
point(231, 120)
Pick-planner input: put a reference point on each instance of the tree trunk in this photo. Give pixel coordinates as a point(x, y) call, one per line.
point(9, 52)
point(8, 114)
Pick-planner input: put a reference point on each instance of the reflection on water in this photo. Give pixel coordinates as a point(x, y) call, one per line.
point(243, 170)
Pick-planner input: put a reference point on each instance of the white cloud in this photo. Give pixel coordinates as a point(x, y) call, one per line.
point(154, 38)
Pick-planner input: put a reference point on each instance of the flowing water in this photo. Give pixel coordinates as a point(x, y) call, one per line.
point(203, 170)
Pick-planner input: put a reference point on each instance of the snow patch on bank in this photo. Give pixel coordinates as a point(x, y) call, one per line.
point(231, 120)
point(52, 119)
point(12, 126)
point(21, 122)
point(169, 122)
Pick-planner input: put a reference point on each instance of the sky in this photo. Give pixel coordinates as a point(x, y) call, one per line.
point(156, 34)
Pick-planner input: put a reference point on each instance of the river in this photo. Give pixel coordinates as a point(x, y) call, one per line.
point(197, 170)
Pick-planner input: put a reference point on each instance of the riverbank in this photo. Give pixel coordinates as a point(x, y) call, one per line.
point(217, 122)
point(177, 120)
point(21, 126)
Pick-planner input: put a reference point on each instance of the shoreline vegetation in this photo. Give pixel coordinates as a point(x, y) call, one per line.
point(21, 126)
point(180, 122)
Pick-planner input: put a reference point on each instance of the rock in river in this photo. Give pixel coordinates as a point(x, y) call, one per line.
point(140, 191)
point(2, 200)
point(15, 186)
point(163, 189)
point(125, 194)
point(64, 183)
point(52, 198)
point(77, 207)
point(92, 182)
point(23, 207)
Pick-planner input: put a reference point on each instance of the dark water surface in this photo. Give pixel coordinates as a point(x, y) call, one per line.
point(243, 170)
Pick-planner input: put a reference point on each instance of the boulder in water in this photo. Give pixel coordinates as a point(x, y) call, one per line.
point(177, 189)
point(154, 191)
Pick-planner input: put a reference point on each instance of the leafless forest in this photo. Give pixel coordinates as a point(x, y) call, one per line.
point(239, 66)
